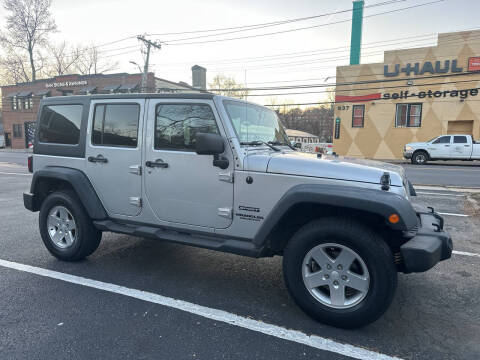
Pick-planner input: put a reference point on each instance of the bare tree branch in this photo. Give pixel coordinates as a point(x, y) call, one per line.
point(29, 23)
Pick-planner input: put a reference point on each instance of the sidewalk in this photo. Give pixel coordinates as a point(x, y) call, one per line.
point(25, 151)
point(435, 163)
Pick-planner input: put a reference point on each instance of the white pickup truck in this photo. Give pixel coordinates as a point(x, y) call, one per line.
point(445, 147)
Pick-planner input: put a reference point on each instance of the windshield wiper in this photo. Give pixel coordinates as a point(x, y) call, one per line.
point(258, 142)
point(286, 143)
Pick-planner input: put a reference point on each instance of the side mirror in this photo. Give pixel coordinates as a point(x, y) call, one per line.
point(209, 144)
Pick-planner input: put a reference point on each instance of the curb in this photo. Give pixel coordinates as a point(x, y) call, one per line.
point(446, 188)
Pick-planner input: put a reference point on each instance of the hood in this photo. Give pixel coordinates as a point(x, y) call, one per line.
point(416, 144)
point(328, 166)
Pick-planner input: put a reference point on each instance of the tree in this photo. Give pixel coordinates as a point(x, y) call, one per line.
point(227, 86)
point(90, 62)
point(28, 25)
point(63, 58)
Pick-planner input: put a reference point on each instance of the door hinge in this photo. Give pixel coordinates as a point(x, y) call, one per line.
point(136, 201)
point(225, 212)
point(135, 169)
point(226, 176)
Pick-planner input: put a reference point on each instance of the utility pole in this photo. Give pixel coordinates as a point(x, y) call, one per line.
point(148, 44)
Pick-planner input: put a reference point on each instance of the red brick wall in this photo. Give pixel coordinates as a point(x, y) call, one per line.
point(11, 117)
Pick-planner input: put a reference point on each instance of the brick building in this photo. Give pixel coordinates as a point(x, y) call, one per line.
point(19, 103)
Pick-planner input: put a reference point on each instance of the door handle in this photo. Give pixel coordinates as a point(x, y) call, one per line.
point(466, 145)
point(447, 145)
point(157, 163)
point(99, 158)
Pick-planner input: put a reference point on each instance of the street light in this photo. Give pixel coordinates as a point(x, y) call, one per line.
point(139, 67)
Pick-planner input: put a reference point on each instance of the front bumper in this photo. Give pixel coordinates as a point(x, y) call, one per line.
point(430, 245)
point(407, 154)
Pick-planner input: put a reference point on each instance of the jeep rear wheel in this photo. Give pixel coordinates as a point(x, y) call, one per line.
point(66, 229)
point(340, 272)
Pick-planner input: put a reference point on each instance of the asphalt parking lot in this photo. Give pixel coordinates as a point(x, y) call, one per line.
point(140, 298)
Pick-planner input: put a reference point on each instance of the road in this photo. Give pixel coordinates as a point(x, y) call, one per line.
point(123, 301)
point(440, 173)
point(444, 174)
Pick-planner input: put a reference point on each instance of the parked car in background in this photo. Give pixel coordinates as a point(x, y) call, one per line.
point(445, 147)
point(319, 148)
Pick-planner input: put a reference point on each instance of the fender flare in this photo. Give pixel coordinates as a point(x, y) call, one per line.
point(379, 202)
point(80, 184)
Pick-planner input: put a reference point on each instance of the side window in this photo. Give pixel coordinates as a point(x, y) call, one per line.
point(115, 125)
point(177, 124)
point(459, 139)
point(60, 124)
point(442, 140)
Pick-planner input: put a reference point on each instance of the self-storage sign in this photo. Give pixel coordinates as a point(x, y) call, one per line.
point(474, 64)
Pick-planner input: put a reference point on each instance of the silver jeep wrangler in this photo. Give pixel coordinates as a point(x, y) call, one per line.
point(219, 173)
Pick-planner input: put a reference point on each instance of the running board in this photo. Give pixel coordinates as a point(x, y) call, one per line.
point(233, 246)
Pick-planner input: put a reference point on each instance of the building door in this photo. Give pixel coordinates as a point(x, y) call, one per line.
point(440, 148)
point(181, 186)
point(8, 140)
point(114, 154)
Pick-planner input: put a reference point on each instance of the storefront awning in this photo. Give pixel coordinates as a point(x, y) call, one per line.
point(12, 95)
point(128, 87)
point(88, 89)
point(42, 93)
point(111, 88)
point(24, 93)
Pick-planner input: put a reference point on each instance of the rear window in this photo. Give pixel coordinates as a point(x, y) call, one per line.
point(60, 124)
point(459, 139)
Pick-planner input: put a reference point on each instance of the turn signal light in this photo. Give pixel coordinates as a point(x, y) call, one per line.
point(394, 218)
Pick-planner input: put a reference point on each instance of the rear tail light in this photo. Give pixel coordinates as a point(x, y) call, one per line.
point(30, 163)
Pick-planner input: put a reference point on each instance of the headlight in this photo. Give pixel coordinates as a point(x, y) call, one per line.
point(408, 148)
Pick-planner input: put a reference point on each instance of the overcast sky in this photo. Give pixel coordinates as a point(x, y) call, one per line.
point(102, 21)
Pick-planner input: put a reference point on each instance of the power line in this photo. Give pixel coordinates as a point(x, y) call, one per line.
point(367, 89)
point(302, 28)
point(280, 22)
point(308, 86)
point(261, 26)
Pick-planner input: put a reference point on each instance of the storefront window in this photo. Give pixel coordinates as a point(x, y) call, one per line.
point(358, 116)
point(408, 115)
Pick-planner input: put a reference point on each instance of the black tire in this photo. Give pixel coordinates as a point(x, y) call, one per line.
point(420, 157)
point(375, 253)
point(87, 237)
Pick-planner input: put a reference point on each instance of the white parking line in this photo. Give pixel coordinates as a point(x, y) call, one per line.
point(9, 173)
point(314, 341)
point(465, 253)
point(451, 214)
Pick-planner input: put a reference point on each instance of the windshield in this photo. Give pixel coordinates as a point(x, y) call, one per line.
point(255, 123)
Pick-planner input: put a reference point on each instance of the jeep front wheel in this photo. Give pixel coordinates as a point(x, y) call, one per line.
point(66, 229)
point(340, 272)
